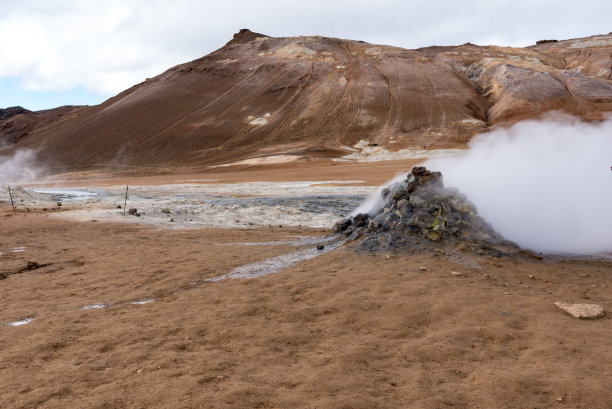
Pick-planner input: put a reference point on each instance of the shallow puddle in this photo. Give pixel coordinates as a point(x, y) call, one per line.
point(21, 322)
point(279, 263)
point(94, 306)
point(141, 302)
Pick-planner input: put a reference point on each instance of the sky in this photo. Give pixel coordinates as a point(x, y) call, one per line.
point(81, 52)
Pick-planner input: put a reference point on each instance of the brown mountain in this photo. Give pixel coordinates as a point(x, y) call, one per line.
point(314, 96)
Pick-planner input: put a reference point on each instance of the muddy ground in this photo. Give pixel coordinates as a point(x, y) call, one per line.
point(343, 330)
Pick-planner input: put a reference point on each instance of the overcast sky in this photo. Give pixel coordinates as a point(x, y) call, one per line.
point(62, 52)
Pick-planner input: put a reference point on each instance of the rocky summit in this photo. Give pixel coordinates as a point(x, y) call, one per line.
point(419, 212)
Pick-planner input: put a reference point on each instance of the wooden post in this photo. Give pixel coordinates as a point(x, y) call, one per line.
point(125, 201)
point(11, 196)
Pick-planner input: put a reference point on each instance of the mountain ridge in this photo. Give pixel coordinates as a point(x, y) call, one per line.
point(317, 97)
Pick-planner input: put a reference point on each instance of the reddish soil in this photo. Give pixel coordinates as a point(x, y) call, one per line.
point(341, 330)
point(374, 173)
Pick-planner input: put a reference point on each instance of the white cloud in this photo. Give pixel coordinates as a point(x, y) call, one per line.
point(108, 46)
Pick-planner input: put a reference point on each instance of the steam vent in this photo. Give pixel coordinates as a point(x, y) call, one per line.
point(420, 213)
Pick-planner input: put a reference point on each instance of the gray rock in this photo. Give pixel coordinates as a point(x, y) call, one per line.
point(416, 201)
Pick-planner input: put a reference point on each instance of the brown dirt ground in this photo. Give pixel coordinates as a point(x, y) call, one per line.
point(343, 330)
point(373, 173)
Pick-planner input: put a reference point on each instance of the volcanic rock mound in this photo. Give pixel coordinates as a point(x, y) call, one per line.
point(421, 213)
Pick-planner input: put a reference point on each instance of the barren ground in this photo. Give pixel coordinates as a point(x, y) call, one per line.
point(343, 330)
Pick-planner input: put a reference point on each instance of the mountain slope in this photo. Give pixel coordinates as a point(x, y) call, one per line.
point(316, 96)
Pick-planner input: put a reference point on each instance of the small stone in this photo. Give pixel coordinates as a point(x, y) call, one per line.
point(433, 235)
point(560, 399)
point(582, 311)
point(132, 211)
point(59, 204)
point(320, 247)
point(422, 268)
point(165, 210)
point(456, 274)
point(532, 276)
point(373, 225)
point(485, 276)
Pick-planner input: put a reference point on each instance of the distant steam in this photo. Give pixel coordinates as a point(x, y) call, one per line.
point(21, 166)
point(545, 184)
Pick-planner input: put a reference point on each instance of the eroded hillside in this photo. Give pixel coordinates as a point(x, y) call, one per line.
point(318, 97)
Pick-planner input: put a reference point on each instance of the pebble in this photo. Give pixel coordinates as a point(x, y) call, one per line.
point(456, 274)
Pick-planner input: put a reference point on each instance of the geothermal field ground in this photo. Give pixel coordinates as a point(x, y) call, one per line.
point(313, 222)
point(217, 296)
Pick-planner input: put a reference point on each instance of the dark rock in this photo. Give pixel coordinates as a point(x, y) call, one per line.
point(132, 211)
point(419, 171)
point(361, 219)
point(320, 247)
point(12, 111)
point(341, 225)
point(419, 211)
point(399, 195)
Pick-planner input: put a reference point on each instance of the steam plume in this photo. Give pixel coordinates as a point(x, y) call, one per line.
point(545, 184)
point(21, 166)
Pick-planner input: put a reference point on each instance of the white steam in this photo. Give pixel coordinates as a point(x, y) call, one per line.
point(544, 184)
point(21, 166)
point(376, 201)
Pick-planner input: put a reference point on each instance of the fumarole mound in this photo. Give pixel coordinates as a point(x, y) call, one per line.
point(419, 213)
